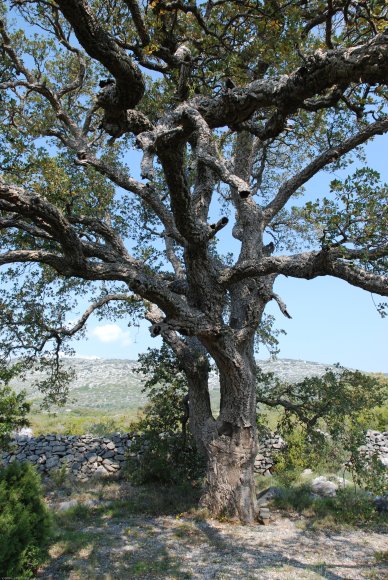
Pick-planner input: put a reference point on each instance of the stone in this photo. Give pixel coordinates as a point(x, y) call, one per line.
point(52, 462)
point(324, 487)
point(112, 468)
point(111, 445)
point(268, 495)
point(20, 456)
point(59, 448)
point(108, 454)
point(100, 471)
point(306, 473)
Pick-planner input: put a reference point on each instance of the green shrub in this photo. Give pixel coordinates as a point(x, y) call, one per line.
point(350, 506)
point(165, 451)
point(24, 521)
point(13, 411)
point(164, 458)
point(323, 421)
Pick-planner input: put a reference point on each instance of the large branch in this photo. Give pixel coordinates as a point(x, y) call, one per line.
point(144, 191)
point(329, 156)
point(80, 258)
point(367, 63)
point(46, 216)
point(309, 265)
point(100, 45)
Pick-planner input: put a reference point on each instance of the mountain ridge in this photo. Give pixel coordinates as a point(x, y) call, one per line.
point(112, 384)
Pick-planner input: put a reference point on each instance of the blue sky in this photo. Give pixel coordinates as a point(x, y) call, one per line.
point(331, 320)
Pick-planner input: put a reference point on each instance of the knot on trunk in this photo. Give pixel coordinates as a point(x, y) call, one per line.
point(225, 428)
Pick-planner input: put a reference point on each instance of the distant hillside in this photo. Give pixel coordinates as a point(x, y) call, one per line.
point(113, 384)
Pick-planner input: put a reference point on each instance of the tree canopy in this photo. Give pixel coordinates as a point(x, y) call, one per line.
point(228, 108)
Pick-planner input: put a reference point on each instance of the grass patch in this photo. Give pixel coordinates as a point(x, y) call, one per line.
point(81, 421)
point(350, 507)
point(161, 565)
point(153, 500)
point(381, 557)
point(297, 498)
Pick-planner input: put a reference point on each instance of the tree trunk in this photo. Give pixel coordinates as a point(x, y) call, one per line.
point(230, 487)
point(232, 442)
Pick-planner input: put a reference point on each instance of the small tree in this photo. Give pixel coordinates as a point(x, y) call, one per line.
point(164, 449)
point(24, 521)
point(324, 420)
point(13, 407)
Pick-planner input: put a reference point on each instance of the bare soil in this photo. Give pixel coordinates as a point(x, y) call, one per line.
point(109, 540)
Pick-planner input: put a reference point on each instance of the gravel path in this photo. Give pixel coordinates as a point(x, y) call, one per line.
point(183, 548)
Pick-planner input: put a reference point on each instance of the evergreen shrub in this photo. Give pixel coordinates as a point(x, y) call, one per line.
point(24, 521)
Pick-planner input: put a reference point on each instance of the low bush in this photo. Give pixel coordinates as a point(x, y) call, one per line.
point(165, 451)
point(13, 412)
point(25, 523)
point(164, 458)
point(350, 506)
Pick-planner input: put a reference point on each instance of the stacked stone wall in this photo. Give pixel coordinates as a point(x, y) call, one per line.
point(85, 456)
point(377, 442)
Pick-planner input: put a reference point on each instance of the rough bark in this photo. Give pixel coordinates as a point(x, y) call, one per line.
point(232, 443)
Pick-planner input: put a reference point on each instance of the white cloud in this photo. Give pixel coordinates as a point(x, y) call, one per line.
point(109, 333)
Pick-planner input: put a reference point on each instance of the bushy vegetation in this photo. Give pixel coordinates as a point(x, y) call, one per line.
point(13, 406)
point(350, 506)
point(164, 450)
point(323, 421)
point(24, 521)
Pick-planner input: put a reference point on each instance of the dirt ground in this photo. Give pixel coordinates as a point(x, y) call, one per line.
point(96, 539)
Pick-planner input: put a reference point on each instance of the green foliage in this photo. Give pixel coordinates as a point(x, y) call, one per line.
point(166, 387)
point(367, 471)
point(323, 421)
point(24, 521)
point(349, 506)
point(13, 407)
point(355, 214)
point(165, 450)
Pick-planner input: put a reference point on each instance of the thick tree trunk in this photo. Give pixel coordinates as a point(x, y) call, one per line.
point(230, 487)
point(232, 442)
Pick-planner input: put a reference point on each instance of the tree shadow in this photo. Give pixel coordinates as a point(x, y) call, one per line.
point(128, 538)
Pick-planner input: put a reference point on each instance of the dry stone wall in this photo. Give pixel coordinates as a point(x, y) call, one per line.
point(269, 445)
point(86, 456)
point(83, 456)
point(377, 442)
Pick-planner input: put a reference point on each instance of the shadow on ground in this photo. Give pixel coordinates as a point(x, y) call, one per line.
point(142, 533)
